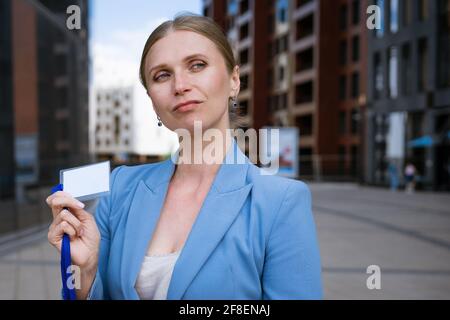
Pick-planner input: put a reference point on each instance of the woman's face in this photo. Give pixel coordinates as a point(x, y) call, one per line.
point(186, 66)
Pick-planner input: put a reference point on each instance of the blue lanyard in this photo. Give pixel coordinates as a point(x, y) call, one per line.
point(68, 293)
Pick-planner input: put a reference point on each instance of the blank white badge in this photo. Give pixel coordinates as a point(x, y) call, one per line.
point(86, 182)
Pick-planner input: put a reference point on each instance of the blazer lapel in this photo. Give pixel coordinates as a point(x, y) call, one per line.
point(220, 208)
point(141, 222)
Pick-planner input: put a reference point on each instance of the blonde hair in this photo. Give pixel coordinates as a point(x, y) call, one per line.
point(201, 25)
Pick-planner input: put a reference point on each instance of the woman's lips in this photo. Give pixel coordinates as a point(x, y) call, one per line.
point(187, 107)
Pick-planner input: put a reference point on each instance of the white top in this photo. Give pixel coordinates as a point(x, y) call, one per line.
point(154, 278)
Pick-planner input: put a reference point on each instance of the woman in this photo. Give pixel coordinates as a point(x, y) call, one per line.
point(177, 230)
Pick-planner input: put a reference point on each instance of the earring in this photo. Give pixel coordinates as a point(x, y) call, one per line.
point(234, 99)
point(159, 121)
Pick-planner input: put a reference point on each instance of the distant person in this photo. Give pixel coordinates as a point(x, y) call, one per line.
point(393, 176)
point(410, 176)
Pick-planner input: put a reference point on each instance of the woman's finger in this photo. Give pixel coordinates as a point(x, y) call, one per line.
point(67, 216)
point(65, 227)
point(60, 202)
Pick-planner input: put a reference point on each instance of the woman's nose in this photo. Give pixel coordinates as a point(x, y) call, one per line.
point(181, 84)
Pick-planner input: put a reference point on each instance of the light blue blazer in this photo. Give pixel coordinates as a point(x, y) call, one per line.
point(254, 237)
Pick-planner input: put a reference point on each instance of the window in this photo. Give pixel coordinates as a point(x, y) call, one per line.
point(343, 87)
point(243, 107)
point(206, 11)
point(423, 65)
point(305, 125)
point(443, 52)
point(342, 122)
point(282, 101)
point(394, 16)
point(393, 72)
point(243, 57)
point(354, 127)
point(380, 32)
point(423, 10)
point(282, 44)
point(304, 60)
point(232, 7)
point(273, 103)
point(244, 82)
point(305, 27)
point(415, 124)
point(355, 85)
point(244, 6)
point(355, 49)
point(407, 69)
point(407, 12)
point(304, 92)
point(282, 7)
point(343, 52)
point(378, 76)
point(281, 73)
point(243, 32)
point(116, 129)
point(343, 17)
point(355, 11)
point(229, 23)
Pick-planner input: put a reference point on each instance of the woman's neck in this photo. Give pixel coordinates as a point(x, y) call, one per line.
point(200, 160)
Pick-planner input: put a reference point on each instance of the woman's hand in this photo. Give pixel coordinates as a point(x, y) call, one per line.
point(79, 225)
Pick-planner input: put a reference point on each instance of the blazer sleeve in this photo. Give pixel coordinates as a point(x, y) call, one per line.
point(292, 268)
point(99, 290)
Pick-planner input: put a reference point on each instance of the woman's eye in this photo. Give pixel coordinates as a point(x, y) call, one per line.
point(161, 76)
point(198, 66)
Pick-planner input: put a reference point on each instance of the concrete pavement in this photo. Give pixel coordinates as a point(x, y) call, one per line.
point(407, 236)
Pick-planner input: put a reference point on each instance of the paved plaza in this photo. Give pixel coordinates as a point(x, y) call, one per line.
point(406, 236)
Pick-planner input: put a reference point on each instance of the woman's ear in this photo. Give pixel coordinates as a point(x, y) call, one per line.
point(235, 82)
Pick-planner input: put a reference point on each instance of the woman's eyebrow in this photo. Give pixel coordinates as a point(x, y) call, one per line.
point(189, 57)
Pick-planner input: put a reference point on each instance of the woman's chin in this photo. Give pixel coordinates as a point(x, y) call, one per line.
point(193, 123)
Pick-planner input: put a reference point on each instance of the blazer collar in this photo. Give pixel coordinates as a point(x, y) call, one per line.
point(220, 208)
point(231, 175)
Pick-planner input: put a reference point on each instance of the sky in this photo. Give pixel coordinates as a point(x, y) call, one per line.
point(118, 31)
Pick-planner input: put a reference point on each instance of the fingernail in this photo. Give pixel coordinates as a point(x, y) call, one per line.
point(81, 232)
point(80, 204)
